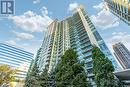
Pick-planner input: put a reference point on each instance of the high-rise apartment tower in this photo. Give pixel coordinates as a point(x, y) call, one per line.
point(122, 54)
point(120, 8)
point(77, 32)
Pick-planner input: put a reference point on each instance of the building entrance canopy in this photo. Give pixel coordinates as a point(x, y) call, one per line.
point(123, 75)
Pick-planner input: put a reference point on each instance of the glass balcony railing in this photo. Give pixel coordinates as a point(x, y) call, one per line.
point(87, 50)
point(87, 54)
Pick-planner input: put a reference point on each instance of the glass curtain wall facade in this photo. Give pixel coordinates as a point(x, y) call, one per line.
point(77, 32)
point(120, 8)
point(16, 58)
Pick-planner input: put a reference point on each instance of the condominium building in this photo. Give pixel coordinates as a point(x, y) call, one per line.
point(122, 54)
point(120, 8)
point(77, 32)
point(16, 58)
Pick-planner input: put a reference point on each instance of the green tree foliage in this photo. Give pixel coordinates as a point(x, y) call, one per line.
point(32, 78)
point(43, 78)
point(103, 69)
point(6, 74)
point(70, 72)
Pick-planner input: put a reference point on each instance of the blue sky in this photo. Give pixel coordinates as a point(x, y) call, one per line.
point(25, 28)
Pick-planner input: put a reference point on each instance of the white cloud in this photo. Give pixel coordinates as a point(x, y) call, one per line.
point(23, 35)
point(104, 19)
point(120, 37)
point(12, 42)
point(44, 10)
point(99, 6)
point(19, 37)
point(123, 37)
point(24, 46)
point(31, 48)
point(72, 6)
point(35, 44)
point(36, 1)
point(31, 21)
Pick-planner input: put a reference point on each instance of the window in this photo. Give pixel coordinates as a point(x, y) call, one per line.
point(97, 36)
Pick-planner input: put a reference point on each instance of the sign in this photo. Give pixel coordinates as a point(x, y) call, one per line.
point(6, 7)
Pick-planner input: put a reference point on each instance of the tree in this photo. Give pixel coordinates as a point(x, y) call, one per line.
point(43, 78)
point(6, 74)
point(70, 72)
point(103, 69)
point(32, 78)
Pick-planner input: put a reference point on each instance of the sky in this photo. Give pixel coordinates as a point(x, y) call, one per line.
point(25, 29)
